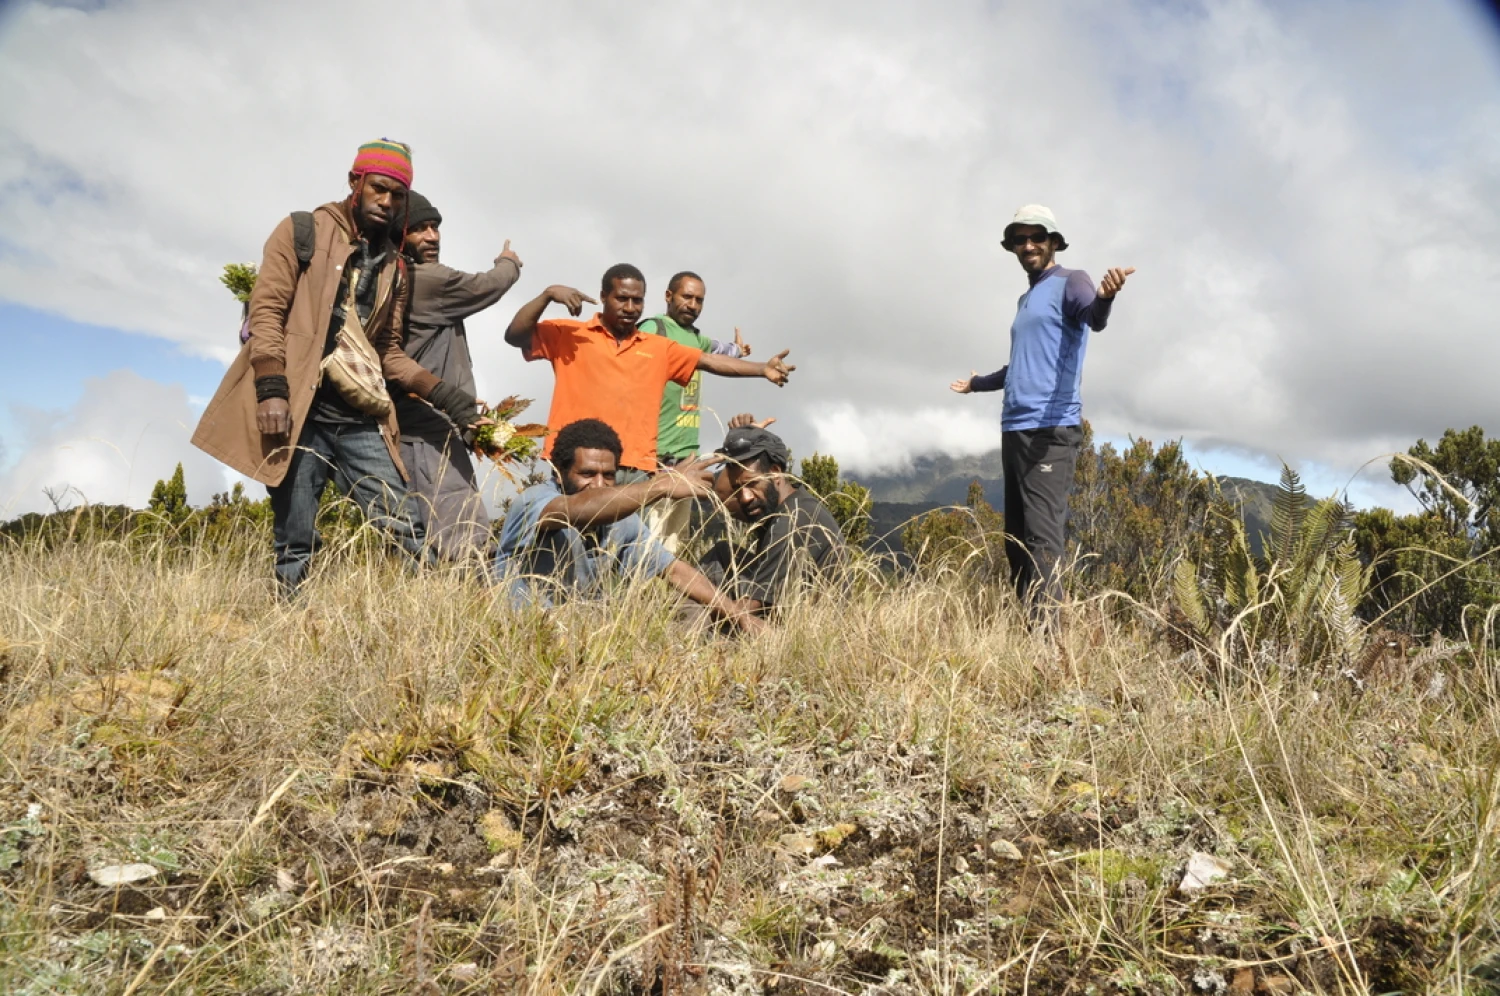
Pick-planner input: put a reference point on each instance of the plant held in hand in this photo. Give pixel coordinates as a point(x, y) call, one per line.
point(500, 440)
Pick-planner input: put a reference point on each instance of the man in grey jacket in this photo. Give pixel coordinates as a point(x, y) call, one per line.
point(436, 458)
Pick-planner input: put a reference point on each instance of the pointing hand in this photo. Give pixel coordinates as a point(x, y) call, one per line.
point(569, 298)
point(778, 371)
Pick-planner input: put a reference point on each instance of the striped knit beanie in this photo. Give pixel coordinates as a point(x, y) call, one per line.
point(385, 157)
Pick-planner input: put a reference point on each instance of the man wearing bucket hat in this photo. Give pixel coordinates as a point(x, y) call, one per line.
point(306, 401)
point(1042, 417)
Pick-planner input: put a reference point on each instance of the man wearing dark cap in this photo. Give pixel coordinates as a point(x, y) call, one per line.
point(1042, 419)
point(306, 400)
point(436, 457)
point(793, 538)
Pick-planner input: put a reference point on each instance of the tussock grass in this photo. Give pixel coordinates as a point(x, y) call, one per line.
point(398, 784)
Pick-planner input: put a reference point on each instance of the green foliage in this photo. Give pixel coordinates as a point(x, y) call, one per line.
point(1463, 482)
point(1436, 570)
point(1424, 579)
point(1299, 600)
point(169, 498)
point(1132, 514)
point(849, 501)
point(167, 524)
point(969, 539)
point(240, 279)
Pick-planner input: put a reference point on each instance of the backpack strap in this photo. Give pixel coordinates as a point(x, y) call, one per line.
point(304, 237)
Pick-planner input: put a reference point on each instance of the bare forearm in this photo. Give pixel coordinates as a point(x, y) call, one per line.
point(728, 366)
point(694, 585)
point(524, 324)
point(596, 506)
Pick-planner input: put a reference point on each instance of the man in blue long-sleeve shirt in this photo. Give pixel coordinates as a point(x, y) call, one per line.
point(1042, 419)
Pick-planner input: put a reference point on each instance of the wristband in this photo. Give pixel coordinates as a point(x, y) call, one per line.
point(271, 386)
point(453, 401)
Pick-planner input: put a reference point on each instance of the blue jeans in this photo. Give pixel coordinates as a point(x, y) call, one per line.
point(355, 456)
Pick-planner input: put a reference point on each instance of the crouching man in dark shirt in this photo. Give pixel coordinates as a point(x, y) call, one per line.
point(793, 539)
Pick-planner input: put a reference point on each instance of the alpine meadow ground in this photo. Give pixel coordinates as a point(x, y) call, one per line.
point(399, 784)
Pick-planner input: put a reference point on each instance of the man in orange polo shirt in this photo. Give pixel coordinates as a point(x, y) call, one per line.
point(608, 369)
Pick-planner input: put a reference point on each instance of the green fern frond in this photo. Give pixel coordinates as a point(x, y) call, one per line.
point(1323, 529)
point(1188, 594)
point(1241, 579)
point(1288, 509)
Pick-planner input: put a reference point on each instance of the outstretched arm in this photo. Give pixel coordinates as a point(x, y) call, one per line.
point(448, 295)
point(737, 348)
point(523, 326)
point(977, 382)
point(775, 370)
point(1090, 307)
point(601, 506)
point(692, 583)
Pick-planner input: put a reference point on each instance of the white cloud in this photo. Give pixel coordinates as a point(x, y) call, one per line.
point(122, 436)
point(1317, 238)
point(884, 442)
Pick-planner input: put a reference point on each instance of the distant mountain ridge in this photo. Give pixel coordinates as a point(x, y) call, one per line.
point(939, 480)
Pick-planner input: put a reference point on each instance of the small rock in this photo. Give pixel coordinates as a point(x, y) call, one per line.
point(112, 875)
point(795, 783)
point(960, 865)
point(158, 913)
point(500, 861)
point(799, 844)
point(1277, 984)
point(1002, 848)
point(1203, 870)
point(445, 869)
point(464, 971)
point(825, 951)
point(766, 816)
point(826, 861)
point(1207, 980)
point(285, 881)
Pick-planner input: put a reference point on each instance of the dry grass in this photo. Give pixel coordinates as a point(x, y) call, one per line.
point(400, 785)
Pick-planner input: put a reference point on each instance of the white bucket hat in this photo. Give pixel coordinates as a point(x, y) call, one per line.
point(1035, 214)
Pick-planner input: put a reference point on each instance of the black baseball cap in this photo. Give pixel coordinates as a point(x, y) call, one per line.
point(749, 443)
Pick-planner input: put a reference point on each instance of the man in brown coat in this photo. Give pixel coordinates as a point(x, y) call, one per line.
point(276, 417)
point(438, 466)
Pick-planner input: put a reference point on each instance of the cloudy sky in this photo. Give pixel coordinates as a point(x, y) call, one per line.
point(1310, 194)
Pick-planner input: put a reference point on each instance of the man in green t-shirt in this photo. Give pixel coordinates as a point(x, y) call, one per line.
point(677, 433)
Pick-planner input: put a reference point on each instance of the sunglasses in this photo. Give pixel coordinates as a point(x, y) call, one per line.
point(1017, 241)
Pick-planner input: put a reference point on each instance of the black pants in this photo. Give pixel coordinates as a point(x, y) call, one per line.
point(1038, 466)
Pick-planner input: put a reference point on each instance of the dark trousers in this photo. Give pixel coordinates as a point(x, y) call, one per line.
point(356, 458)
point(1038, 466)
